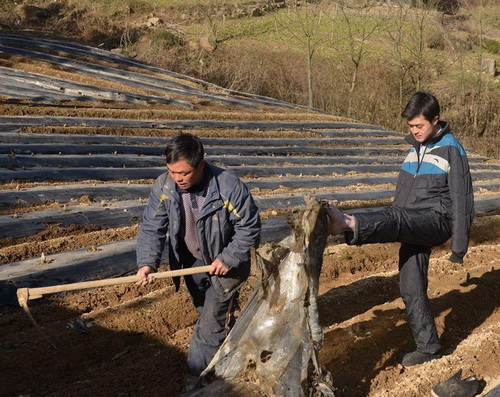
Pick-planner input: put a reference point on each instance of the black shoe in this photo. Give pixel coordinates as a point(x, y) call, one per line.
point(456, 387)
point(416, 358)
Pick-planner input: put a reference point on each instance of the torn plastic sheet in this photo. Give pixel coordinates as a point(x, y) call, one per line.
point(273, 348)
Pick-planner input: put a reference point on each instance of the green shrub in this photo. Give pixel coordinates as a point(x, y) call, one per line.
point(492, 46)
point(435, 40)
point(167, 38)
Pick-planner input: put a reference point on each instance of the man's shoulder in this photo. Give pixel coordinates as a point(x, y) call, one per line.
point(451, 141)
point(161, 179)
point(227, 180)
point(222, 173)
point(163, 183)
point(214, 170)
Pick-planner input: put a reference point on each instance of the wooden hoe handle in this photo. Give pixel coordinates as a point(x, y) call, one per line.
point(34, 293)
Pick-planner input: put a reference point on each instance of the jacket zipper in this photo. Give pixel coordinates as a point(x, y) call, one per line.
point(420, 160)
point(417, 149)
point(206, 260)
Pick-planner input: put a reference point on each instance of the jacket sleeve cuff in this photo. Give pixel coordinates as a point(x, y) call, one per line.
point(152, 266)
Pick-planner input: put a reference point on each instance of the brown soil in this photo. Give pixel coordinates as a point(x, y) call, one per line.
point(61, 239)
point(21, 185)
point(137, 338)
point(165, 133)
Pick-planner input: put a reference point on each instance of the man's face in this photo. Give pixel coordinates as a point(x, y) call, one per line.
point(423, 129)
point(184, 175)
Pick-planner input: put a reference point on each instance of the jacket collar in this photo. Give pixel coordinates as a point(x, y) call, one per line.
point(445, 129)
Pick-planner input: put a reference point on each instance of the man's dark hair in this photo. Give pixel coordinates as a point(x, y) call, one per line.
point(187, 147)
point(424, 103)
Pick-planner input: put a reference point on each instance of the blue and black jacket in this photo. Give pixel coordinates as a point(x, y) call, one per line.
point(441, 181)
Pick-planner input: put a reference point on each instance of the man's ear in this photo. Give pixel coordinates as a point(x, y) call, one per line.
point(435, 120)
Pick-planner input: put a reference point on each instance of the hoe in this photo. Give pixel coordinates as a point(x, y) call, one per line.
point(26, 294)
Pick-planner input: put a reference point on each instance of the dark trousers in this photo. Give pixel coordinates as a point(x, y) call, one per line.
point(216, 316)
point(417, 231)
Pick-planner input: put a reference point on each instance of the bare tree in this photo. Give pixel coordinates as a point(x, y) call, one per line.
point(302, 22)
point(353, 43)
point(396, 47)
point(416, 45)
point(407, 34)
point(478, 91)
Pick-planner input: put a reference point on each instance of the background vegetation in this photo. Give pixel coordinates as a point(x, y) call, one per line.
point(354, 58)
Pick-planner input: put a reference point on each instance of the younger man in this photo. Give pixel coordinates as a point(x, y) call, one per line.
point(433, 202)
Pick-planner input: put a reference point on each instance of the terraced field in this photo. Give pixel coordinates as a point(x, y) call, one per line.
point(82, 134)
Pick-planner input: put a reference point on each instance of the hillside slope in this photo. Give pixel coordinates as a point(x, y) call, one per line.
point(81, 137)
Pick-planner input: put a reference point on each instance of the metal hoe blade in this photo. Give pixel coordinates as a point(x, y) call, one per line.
point(23, 298)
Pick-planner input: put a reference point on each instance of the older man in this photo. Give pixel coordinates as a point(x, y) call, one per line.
point(205, 216)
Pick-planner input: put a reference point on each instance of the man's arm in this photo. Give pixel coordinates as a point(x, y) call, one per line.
point(247, 225)
point(462, 198)
point(152, 232)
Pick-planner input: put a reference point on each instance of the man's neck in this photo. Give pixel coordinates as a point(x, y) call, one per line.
point(436, 132)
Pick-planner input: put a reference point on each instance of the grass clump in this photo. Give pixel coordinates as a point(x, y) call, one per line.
point(166, 38)
point(492, 46)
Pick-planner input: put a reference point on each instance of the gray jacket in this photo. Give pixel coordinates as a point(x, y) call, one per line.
point(441, 182)
point(227, 228)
